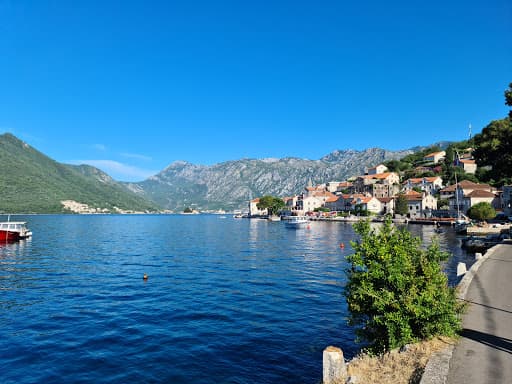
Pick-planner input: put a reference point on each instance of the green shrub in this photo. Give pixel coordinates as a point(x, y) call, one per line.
point(396, 291)
point(481, 211)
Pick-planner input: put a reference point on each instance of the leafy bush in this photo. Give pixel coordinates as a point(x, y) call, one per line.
point(396, 291)
point(481, 211)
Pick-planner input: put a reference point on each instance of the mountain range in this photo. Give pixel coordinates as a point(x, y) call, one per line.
point(231, 184)
point(32, 182)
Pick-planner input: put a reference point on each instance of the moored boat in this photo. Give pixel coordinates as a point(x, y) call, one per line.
point(296, 221)
point(13, 231)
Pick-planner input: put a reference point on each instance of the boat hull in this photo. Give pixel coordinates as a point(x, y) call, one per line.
point(295, 225)
point(9, 236)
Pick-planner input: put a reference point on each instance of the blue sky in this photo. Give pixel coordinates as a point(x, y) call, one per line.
point(131, 86)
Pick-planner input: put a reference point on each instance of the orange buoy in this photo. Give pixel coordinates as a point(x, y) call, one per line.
point(342, 245)
point(145, 277)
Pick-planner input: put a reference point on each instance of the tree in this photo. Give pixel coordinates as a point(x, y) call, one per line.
point(443, 204)
point(508, 99)
point(481, 211)
point(493, 148)
point(396, 291)
point(360, 210)
point(393, 165)
point(401, 205)
point(271, 203)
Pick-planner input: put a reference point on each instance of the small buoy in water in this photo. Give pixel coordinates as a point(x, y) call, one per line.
point(308, 227)
point(145, 277)
point(342, 245)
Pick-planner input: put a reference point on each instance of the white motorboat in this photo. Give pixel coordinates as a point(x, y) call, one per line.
point(296, 221)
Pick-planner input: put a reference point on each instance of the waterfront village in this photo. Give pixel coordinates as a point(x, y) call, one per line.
point(378, 190)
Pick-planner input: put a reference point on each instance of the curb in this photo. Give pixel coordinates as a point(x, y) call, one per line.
point(436, 370)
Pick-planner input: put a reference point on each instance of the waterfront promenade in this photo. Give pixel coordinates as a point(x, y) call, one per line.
point(484, 352)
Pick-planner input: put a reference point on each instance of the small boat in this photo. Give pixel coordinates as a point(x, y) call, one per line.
point(296, 221)
point(13, 231)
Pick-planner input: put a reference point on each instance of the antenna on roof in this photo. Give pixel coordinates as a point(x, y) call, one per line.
point(470, 131)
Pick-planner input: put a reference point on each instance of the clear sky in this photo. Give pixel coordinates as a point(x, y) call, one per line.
point(131, 86)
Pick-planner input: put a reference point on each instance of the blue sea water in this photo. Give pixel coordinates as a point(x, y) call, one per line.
point(226, 301)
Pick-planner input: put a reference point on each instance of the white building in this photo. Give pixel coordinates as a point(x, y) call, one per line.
point(254, 210)
point(435, 157)
point(368, 203)
point(381, 168)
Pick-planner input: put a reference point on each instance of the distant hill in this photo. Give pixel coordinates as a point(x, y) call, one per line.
point(31, 182)
point(231, 184)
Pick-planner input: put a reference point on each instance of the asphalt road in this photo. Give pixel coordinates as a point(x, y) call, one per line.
point(484, 353)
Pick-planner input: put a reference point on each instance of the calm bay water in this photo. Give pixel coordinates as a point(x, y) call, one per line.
point(227, 301)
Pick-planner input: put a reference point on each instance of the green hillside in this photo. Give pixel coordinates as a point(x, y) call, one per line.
point(31, 182)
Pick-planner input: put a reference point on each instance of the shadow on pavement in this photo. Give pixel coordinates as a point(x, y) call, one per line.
point(487, 306)
point(500, 343)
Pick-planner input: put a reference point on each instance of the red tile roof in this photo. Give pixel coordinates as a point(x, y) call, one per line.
point(384, 175)
point(466, 184)
point(433, 154)
point(413, 195)
point(347, 196)
point(480, 193)
point(417, 180)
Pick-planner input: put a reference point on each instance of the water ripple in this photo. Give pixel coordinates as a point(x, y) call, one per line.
point(227, 301)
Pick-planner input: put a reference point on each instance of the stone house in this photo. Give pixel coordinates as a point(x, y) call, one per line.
point(387, 205)
point(420, 205)
point(334, 203)
point(429, 185)
point(468, 165)
point(379, 185)
point(345, 202)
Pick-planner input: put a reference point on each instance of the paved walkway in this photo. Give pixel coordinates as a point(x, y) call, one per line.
point(484, 353)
